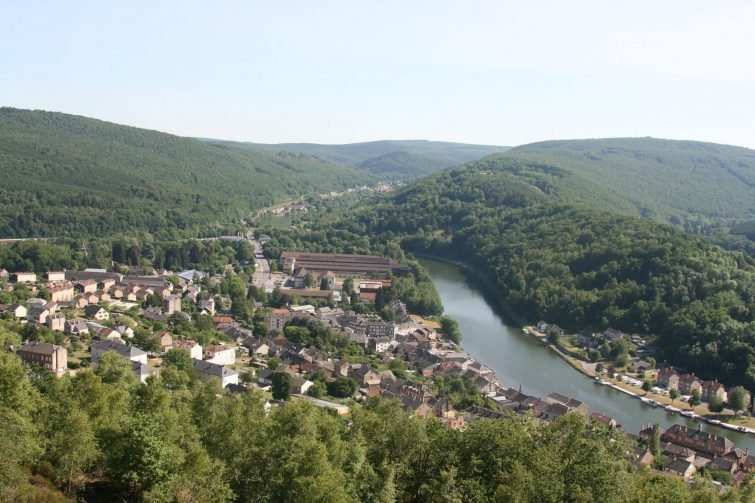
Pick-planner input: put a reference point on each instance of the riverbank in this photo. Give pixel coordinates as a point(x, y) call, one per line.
point(742, 424)
point(522, 362)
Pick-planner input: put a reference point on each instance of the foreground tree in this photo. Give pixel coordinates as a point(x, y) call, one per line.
point(647, 386)
point(738, 399)
point(673, 394)
point(695, 399)
point(281, 385)
point(715, 404)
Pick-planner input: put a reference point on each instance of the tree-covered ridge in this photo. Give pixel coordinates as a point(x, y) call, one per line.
point(65, 175)
point(581, 267)
point(103, 434)
point(394, 160)
point(687, 183)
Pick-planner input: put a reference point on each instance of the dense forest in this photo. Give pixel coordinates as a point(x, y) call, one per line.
point(70, 176)
point(392, 160)
point(207, 255)
point(104, 436)
point(703, 188)
point(681, 182)
point(579, 266)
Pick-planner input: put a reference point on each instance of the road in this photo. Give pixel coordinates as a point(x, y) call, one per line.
point(261, 277)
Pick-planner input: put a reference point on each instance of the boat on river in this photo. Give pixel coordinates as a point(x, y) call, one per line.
point(649, 401)
point(688, 413)
point(671, 410)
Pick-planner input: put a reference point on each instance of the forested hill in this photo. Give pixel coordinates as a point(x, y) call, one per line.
point(66, 175)
point(577, 265)
point(693, 184)
point(394, 160)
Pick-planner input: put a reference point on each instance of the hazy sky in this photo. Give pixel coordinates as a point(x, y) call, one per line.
point(497, 72)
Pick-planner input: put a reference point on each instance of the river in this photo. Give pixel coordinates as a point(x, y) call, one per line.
point(520, 360)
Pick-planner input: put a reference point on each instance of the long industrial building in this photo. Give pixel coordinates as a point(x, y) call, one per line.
point(366, 265)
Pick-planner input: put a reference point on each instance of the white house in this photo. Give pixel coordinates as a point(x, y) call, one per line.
point(19, 311)
point(26, 277)
point(132, 353)
point(56, 276)
point(208, 370)
point(193, 348)
point(96, 312)
point(222, 355)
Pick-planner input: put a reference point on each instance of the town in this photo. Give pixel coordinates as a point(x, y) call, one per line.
point(329, 347)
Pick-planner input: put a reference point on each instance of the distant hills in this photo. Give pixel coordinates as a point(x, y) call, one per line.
point(392, 160)
point(66, 175)
point(686, 183)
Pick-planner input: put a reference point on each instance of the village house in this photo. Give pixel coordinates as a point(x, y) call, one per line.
point(55, 276)
point(132, 353)
point(380, 344)
point(678, 451)
point(193, 348)
point(342, 367)
point(571, 404)
point(207, 306)
point(125, 331)
point(107, 333)
point(380, 329)
point(106, 284)
point(52, 357)
point(56, 322)
point(668, 378)
point(252, 345)
point(96, 312)
point(277, 319)
point(61, 291)
point(688, 383)
point(642, 456)
point(76, 327)
point(172, 304)
point(192, 293)
point(208, 370)
point(713, 388)
point(366, 376)
point(166, 341)
point(91, 298)
point(698, 440)
point(25, 277)
point(418, 409)
point(299, 385)
point(18, 311)
point(79, 302)
point(38, 315)
point(552, 411)
point(85, 286)
point(117, 292)
point(222, 355)
point(300, 278)
point(679, 467)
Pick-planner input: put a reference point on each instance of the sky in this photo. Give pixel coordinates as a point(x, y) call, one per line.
point(492, 72)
